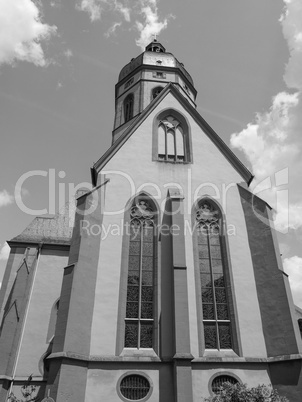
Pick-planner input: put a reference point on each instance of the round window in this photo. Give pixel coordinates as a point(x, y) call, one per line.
point(220, 380)
point(134, 387)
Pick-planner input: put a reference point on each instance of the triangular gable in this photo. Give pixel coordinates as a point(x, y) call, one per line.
point(214, 137)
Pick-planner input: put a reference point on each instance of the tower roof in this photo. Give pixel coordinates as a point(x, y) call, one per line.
point(147, 58)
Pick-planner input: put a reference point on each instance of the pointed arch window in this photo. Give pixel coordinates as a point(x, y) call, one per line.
point(172, 146)
point(128, 107)
point(212, 270)
point(156, 91)
point(139, 320)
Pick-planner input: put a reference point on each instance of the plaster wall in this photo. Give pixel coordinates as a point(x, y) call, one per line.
point(46, 290)
point(13, 264)
point(119, 115)
point(102, 383)
point(147, 91)
point(125, 88)
point(130, 171)
point(202, 376)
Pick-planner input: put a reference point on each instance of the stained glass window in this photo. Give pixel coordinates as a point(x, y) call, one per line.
point(140, 288)
point(171, 143)
point(215, 310)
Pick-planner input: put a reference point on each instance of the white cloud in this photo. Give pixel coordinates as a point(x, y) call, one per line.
point(5, 198)
point(293, 267)
point(95, 8)
point(21, 32)
point(92, 7)
point(125, 11)
point(112, 29)
point(147, 20)
point(55, 4)
point(151, 25)
point(273, 141)
point(4, 252)
point(267, 142)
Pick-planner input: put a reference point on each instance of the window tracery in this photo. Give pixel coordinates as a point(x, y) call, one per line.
point(214, 298)
point(171, 144)
point(140, 288)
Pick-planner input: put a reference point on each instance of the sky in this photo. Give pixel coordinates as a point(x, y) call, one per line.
point(59, 63)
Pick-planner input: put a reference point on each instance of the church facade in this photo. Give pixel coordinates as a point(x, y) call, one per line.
point(162, 282)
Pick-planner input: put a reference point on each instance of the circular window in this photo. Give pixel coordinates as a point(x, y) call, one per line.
point(220, 380)
point(134, 387)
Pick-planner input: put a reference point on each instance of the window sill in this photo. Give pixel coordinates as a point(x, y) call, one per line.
point(142, 354)
point(220, 353)
point(180, 162)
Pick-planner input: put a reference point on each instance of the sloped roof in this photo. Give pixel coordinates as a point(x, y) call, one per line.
point(51, 230)
point(214, 137)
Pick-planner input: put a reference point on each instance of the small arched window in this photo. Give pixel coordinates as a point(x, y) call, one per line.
point(156, 91)
point(128, 107)
point(139, 320)
point(300, 325)
point(212, 268)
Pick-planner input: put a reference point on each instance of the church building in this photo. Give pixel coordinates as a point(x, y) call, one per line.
point(162, 282)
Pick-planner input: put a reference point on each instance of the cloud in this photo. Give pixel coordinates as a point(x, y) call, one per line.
point(4, 252)
point(151, 25)
point(112, 29)
point(55, 4)
point(293, 267)
point(92, 7)
point(95, 8)
point(125, 11)
point(21, 32)
point(5, 198)
point(273, 143)
point(147, 20)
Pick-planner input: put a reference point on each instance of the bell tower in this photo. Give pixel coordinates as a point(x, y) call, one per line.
point(141, 80)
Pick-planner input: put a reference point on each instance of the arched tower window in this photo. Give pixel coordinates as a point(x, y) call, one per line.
point(128, 107)
point(171, 140)
point(156, 91)
point(300, 325)
point(139, 320)
point(212, 271)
